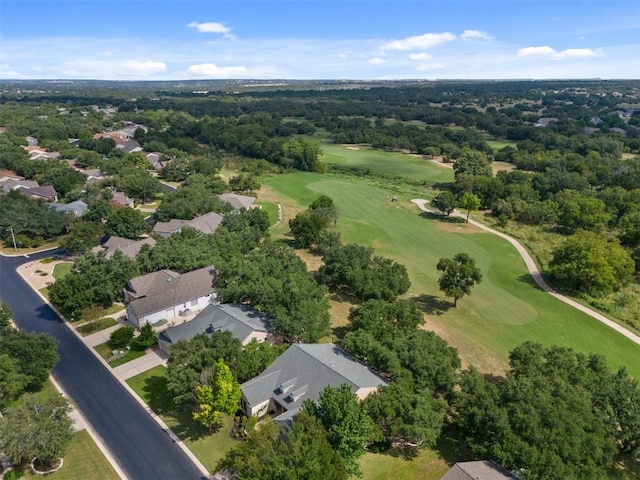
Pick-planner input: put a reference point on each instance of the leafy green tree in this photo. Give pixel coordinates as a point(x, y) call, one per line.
point(13, 382)
point(324, 206)
point(255, 357)
point(354, 269)
point(472, 162)
point(469, 202)
point(586, 263)
point(459, 274)
point(5, 316)
point(31, 218)
point(346, 421)
point(385, 319)
point(188, 361)
point(226, 390)
point(125, 222)
point(244, 183)
point(82, 237)
point(445, 202)
point(146, 338)
point(306, 227)
point(578, 211)
point(190, 201)
point(406, 416)
point(138, 184)
point(38, 428)
point(305, 454)
point(121, 336)
point(35, 354)
point(629, 226)
point(94, 280)
point(205, 412)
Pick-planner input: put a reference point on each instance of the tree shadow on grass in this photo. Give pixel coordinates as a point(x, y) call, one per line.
point(441, 218)
point(528, 279)
point(156, 394)
point(432, 305)
point(187, 429)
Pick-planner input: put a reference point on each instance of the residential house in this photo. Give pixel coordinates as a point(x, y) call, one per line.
point(9, 184)
point(620, 131)
point(479, 470)
point(545, 121)
point(78, 208)
point(9, 175)
point(47, 193)
point(129, 248)
point(207, 223)
point(31, 141)
point(128, 146)
point(120, 199)
point(302, 372)
point(244, 323)
point(161, 296)
point(238, 202)
point(39, 153)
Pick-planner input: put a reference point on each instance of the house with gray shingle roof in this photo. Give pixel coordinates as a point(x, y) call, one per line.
point(301, 373)
point(161, 296)
point(207, 223)
point(129, 248)
point(47, 193)
point(78, 208)
point(480, 470)
point(238, 202)
point(245, 323)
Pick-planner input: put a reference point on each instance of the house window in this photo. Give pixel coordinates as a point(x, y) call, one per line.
point(194, 302)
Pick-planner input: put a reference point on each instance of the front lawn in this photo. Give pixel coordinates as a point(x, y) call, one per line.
point(209, 448)
point(105, 350)
point(102, 324)
point(272, 210)
point(82, 460)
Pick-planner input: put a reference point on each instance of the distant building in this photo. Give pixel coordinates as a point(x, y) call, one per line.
point(78, 208)
point(237, 202)
point(129, 248)
point(545, 121)
point(207, 223)
point(480, 470)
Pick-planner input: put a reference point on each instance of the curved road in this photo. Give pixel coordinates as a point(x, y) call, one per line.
point(537, 277)
point(139, 445)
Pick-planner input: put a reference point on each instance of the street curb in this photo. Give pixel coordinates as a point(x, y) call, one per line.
point(153, 415)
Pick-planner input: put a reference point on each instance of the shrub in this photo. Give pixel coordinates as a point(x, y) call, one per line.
point(121, 337)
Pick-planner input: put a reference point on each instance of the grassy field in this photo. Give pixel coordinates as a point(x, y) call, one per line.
point(82, 460)
point(105, 352)
point(498, 144)
point(209, 448)
point(61, 270)
point(272, 209)
point(412, 166)
point(505, 310)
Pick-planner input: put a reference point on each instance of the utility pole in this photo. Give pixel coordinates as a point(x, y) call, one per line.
point(14, 239)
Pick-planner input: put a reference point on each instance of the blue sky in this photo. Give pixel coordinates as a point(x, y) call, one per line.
point(342, 39)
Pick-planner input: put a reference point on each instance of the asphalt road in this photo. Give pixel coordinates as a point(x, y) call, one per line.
point(135, 440)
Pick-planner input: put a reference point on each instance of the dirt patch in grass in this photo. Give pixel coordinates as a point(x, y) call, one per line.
point(313, 261)
point(457, 227)
point(502, 166)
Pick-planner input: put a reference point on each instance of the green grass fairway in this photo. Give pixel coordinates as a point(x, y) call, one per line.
point(209, 448)
point(272, 211)
point(498, 144)
point(392, 163)
point(82, 460)
point(505, 310)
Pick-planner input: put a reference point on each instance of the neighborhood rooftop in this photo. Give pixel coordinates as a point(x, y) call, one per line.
point(480, 470)
point(302, 372)
point(238, 319)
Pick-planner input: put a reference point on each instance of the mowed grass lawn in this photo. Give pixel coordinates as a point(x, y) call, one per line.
point(392, 163)
point(209, 448)
point(61, 270)
point(82, 460)
point(505, 310)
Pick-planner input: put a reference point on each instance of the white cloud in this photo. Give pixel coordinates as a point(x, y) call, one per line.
point(431, 66)
point(419, 56)
point(209, 70)
point(576, 53)
point(107, 69)
point(568, 53)
point(426, 40)
point(534, 51)
point(377, 61)
point(212, 27)
point(470, 34)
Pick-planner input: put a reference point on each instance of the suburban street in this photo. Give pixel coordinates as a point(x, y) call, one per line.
point(138, 444)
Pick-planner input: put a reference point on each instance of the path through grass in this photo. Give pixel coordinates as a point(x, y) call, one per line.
point(505, 310)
